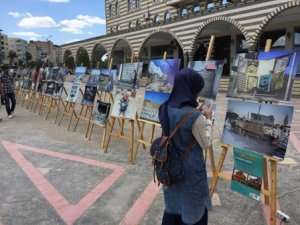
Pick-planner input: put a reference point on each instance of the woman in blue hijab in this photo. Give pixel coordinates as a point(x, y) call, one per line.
point(187, 201)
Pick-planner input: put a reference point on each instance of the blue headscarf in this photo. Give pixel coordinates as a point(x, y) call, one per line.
point(187, 84)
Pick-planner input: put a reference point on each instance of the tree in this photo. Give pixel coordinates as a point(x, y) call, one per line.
point(12, 55)
point(83, 58)
point(28, 56)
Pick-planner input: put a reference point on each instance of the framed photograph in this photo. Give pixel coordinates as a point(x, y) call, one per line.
point(106, 80)
point(73, 93)
point(50, 88)
point(79, 74)
point(94, 77)
point(101, 112)
point(263, 128)
point(124, 106)
point(161, 74)
point(130, 75)
point(89, 95)
point(211, 71)
point(152, 101)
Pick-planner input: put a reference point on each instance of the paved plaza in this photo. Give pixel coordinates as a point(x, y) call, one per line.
point(51, 176)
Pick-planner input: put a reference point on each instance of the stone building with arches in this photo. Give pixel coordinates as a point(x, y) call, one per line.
point(182, 28)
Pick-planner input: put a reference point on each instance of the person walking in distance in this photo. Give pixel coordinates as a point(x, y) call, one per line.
point(187, 201)
point(7, 90)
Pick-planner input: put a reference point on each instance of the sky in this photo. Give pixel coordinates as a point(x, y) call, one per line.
point(60, 21)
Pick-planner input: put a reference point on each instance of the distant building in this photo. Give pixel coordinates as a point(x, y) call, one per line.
point(41, 51)
point(57, 56)
point(4, 49)
point(262, 119)
point(18, 45)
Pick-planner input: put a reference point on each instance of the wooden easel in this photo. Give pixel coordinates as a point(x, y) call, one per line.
point(268, 191)
point(102, 96)
point(269, 188)
point(121, 134)
point(69, 110)
point(86, 113)
point(153, 125)
point(32, 99)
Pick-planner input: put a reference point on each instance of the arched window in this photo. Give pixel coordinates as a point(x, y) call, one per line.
point(196, 9)
point(118, 28)
point(183, 12)
point(168, 16)
point(129, 5)
point(156, 18)
point(129, 24)
point(111, 30)
point(137, 4)
point(138, 23)
point(110, 9)
point(117, 10)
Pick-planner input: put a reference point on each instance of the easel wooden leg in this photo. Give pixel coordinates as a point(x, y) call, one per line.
point(90, 134)
point(49, 110)
point(219, 168)
point(78, 118)
point(273, 192)
point(266, 180)
point(110, 132)
point(63, 113)
point(103, 137)
point(58, 109)
point(131, 140)
point(138, 143)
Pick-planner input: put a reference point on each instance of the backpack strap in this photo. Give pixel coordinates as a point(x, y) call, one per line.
point(181, 122)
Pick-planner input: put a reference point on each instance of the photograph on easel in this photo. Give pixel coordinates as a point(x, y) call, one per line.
point(211, 71)
point(247, 173)
point(161, 74)
point(124, 106)
point(130, 75)
point(101, 112)
point(79, 74)
point(59, 82)
point(50, 88)
point(53, 73)
point(152, 101)
point(94, 77)
point(89, 95)
point(270, 78)
point(106, 80)
point(73, 93)
point(263, 128)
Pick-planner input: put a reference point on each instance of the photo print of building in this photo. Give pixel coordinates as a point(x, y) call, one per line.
point(101, 112)
point(161, 74)
point(89, 95)
point(152, 101)
point(270, 78)
point(73, 93)
point(79, 74)
point(263, 128)
point(130, 75)
point(211, 71)
point(106, 80)
point(94, 77)
point(124, 106)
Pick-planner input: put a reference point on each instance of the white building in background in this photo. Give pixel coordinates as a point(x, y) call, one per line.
point(18, 45)
point(4, 49)
point(45, 51)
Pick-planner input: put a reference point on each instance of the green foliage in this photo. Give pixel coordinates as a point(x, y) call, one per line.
point(11, 55)
point(28, 56)
point(82, 58)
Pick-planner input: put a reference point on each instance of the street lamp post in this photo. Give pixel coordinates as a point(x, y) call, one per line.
point(1, 58)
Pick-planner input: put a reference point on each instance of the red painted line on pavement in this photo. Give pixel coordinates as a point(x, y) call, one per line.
point(68, 212)
point(137, 212)
point(295, 141)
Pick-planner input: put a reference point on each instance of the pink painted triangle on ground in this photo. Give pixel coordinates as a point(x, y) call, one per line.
point(68, 212)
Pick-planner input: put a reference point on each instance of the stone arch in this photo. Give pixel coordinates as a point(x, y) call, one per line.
point(77, 52)
point(70, 61)
point(216, 19)
point(159, 31)
point(96, 45)
point(116, 42)
point(270, 17)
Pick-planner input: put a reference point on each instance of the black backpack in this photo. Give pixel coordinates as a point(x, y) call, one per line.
point(167, 162)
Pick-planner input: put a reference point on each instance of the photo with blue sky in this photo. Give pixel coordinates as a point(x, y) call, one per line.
point(60, 21)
